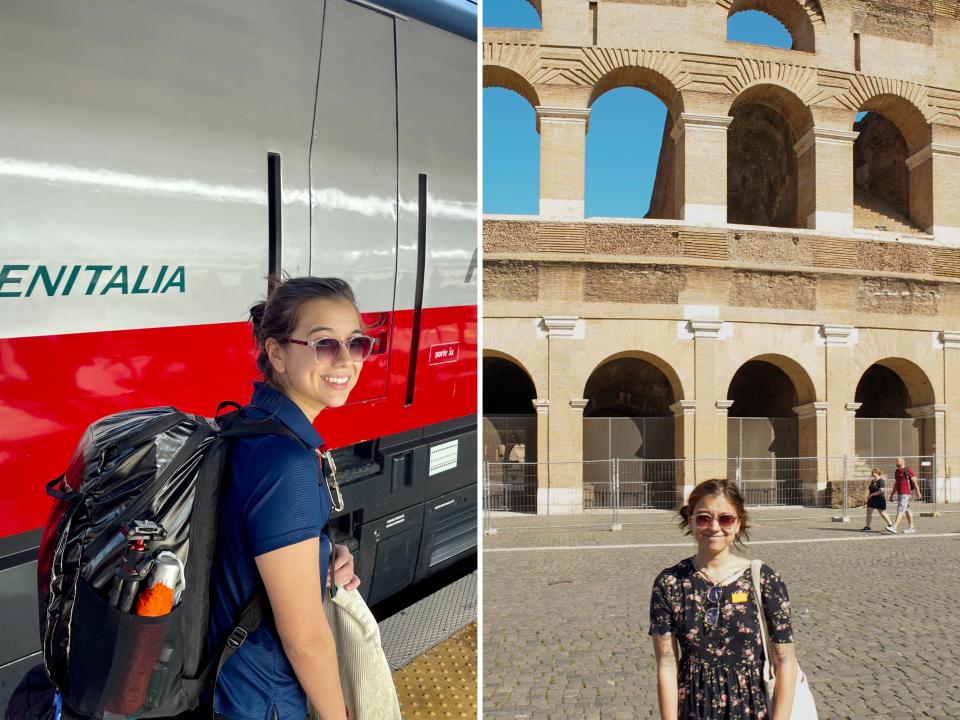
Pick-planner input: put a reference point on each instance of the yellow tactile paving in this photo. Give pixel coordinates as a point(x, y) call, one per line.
point(441, 683)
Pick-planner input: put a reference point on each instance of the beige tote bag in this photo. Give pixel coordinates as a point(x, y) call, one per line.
point(804, 707)
point(364, 673)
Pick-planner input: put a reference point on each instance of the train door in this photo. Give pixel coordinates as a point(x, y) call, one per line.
point(353, 172)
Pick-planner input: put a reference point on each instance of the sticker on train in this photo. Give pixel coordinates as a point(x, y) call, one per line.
point(445, 353)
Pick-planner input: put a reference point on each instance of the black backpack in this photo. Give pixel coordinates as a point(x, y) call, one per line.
point(140, 482)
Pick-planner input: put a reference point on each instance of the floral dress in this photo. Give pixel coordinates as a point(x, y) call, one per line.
point(721, 665)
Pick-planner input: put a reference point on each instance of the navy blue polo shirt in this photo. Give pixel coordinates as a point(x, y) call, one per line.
point(273, 499)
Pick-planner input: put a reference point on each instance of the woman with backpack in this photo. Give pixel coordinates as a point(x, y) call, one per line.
point(704, 620)
point(310, 351)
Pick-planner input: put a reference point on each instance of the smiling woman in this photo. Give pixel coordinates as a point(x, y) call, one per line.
point(714, 610)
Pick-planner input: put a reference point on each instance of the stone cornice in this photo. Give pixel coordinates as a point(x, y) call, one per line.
point(683, 407)
point(950, 339)
point(700, 122)
point(826, 136)
point(723, 406)
point(838, 335)
point(705, 329)
point(563, 115)
point(578, 404)
point(560, 326)
point(923, 412)
point(541, 406)
point(811, 409)
point(927, 152)
point(852, 407)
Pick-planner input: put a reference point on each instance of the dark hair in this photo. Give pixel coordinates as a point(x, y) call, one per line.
point(278, 315)
point(717, 486)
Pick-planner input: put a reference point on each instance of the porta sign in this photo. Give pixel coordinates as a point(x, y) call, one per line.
point(445, 353)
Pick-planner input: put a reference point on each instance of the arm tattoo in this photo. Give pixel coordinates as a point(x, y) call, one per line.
point(784, 652)
point(663, 650)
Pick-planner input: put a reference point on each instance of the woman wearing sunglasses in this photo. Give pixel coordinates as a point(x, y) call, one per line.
point(310, 351)
point(703, 619)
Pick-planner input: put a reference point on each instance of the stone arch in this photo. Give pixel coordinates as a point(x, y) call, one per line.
point(772, 423)
point(633, 396)
point(763, 167)
point(664, 202)
point(887, 425)
point(510, 422)
point(780, 95)
point(920, 389)
point(657, 362)
point(645, 78)
point(501, 355)
point(905, 114)
point(508, 78)
point(798, 376)
point(802, 18)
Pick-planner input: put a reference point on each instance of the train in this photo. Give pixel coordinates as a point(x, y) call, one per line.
point(160, 165)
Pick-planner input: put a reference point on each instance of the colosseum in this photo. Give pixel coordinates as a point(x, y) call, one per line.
point(792, 295)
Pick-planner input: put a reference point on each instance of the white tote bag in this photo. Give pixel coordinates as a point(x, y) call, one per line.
point(804, 707)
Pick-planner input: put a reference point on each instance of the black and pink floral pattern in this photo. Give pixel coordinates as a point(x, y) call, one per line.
point(720, 666)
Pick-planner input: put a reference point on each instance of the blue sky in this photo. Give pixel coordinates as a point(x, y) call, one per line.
point(623, 144)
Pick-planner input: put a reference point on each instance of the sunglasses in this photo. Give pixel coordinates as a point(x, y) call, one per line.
point(358, 347)
point(705, 520)
point(714, 595)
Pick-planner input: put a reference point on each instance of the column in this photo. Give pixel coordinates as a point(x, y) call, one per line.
point(710, 432)
point(934, 188)
point(684, 421)
point(728, 467)
point(562, 492)
point(839, 440)
point(563, 134)
point(542, 468)
point(701, 167)
point(812, 436)
point(825, 179)
point(951, 396)
point(932, 441)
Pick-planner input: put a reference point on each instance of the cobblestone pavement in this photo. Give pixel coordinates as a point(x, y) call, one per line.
point(876, 617)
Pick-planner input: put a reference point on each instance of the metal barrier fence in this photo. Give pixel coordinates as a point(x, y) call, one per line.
point(617, 492)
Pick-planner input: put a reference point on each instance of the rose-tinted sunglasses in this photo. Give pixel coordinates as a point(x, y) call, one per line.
point(705, 520)
point(328, 349)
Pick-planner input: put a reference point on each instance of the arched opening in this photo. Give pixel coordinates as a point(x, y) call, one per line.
point(511, 144)
point(763, 437)
point(509, 436)
point(516, 14)
point(763, 169)
point(628, 418)
point(892, 189)
point(621, 163)
point(758, 28)
point(630, 173)
point(778, 23)
point(887, 424)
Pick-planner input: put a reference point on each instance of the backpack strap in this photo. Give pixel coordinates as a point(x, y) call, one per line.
point(253, 614)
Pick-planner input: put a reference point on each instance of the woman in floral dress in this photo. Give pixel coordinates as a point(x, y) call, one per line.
point(703, 610)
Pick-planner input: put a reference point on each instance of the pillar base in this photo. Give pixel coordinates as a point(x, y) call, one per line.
point(559, 501)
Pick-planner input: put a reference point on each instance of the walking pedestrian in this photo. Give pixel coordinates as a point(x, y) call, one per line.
point(904, 485)
point(876, 500)
point(704, 610)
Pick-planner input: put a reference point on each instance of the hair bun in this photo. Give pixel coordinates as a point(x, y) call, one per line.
point(256, 314)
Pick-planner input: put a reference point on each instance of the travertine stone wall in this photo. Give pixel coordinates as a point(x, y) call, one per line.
point(894, 57)
point(698, 296)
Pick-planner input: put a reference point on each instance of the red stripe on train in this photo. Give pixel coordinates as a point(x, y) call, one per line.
point(52, 387)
